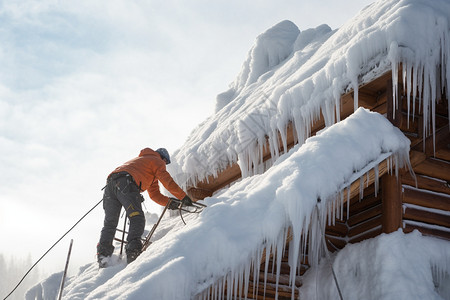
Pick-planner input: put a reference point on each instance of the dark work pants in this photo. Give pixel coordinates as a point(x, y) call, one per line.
point(122, 191)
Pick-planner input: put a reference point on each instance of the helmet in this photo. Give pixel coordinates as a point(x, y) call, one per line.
point(164, 155)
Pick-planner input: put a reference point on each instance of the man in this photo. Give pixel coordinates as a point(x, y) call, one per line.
point(123, 189)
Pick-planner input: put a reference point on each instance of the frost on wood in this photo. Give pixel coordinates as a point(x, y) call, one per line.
point(292, 76)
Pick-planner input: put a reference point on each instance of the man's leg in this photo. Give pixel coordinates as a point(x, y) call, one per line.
point(112, 207)
point(129, 195)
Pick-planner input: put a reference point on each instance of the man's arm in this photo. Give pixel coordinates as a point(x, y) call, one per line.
point(155, 194)
point(167, 181)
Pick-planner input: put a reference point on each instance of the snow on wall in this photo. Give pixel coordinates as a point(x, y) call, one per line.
point(276, 87)
point(224, 243)
point(383, 267)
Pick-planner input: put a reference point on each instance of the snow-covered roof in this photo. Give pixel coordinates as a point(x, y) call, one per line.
point(226, 241)
point(291, 76)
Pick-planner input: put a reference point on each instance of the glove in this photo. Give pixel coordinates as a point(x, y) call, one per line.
point(186, 201)
point(174, 204)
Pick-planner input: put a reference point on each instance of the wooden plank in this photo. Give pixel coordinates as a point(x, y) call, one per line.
point(225, 177)
point(426, 183)
point(443, 154)
point(427, 231)
point(283, 279)
point(426, 199)
point(338, 229)
point(334, 243)
point(434, 168)
point(368, 180)
point(365, 215)
point(284, 292)
point(391, 203)
point(376, 231)
point(363, 227)
point(369, 200)
point(441, 138)
point(409, 127)
point(426, 217)
point(416, 158)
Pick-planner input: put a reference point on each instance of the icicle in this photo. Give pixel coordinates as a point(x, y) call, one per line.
point(266, 267)
point(414, 88)
point(361, 187)
point(377, 175)
point(334, 208)
point(393, 55)
point(355, 95)
point(329, 211)
point(408, 91)
point(397, 167)
point(367, 179)
point(280, 252)
point(388, 168)
point(348, 203)
point(230, 285)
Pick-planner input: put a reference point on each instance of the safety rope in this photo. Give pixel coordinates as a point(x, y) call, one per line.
point(52, 248)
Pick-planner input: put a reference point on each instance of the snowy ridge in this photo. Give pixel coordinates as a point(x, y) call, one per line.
point(322, 65)
point(225, 242)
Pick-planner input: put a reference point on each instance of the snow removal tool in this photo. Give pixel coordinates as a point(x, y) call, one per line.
point(194, 208)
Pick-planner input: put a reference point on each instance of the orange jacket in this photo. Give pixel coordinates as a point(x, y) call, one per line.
point(147, 169)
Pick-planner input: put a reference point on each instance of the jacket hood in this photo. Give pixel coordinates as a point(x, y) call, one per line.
point(148, 151)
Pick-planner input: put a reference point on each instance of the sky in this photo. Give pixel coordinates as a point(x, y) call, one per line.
point(85, 85)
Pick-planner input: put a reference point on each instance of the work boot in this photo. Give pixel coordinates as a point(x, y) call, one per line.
point(103, 261)
point(133, 249)
point(104, 253)
point(132, 255)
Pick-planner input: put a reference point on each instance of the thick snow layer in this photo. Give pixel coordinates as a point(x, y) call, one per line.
point(291, 75)
point(226, 240)
point(381, 268)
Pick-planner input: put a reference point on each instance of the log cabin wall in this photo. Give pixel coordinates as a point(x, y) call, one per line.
point(399, 203)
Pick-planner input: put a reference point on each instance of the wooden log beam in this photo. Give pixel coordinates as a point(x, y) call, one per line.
point(364, 227)
point(369, 201)
point(426, 216)
point(434, 168)
point(375, 231)
point(339, 229)
point(426, 183)
point(435, 232)
point(391, 203)
point(443, 154)
point(365, 215)
point(426, 199)
point(367, 180)
point(441, 138)
point(334, 243)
